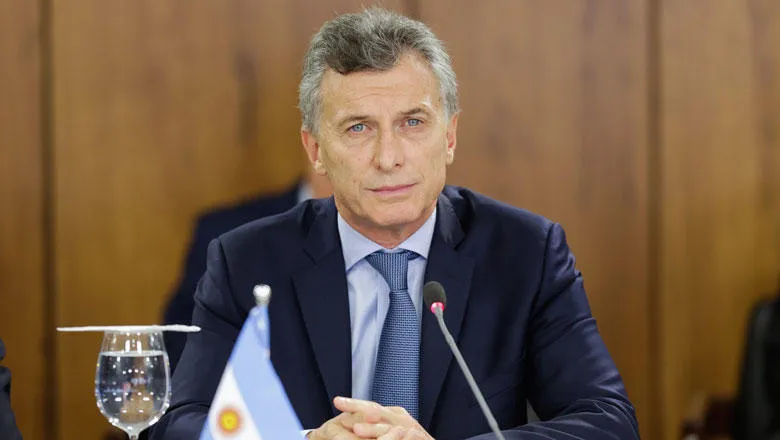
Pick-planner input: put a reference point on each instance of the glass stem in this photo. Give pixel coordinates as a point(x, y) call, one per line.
point(133, 436)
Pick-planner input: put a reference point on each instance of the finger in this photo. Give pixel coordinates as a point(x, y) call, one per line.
point(332, 430)
point(393, 415)
point(398, 410)
point(348, 420)
point(347, 404)
point(414, 434)
point(371, 411)
point(371, 430)
point(397, 415)
point(373, 415)
point(395, 433)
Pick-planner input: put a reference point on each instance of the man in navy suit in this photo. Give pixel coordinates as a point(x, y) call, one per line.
point(8, 430)
point(357, 353)
point(210, 226)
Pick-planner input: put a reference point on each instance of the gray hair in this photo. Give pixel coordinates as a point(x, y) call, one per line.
point(371, 40)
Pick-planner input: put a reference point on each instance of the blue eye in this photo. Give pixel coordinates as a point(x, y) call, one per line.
point(414, 122)
point(357, 128)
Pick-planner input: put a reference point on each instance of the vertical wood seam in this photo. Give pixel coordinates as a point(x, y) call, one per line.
point(654, 219)
point(48, 224)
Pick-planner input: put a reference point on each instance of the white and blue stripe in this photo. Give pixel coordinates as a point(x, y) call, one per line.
point(251, 392)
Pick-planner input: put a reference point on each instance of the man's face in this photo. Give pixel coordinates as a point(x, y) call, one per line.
point(385, 142)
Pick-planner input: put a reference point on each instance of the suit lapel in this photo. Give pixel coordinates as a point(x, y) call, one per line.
point(453, 270)
point(321, 288)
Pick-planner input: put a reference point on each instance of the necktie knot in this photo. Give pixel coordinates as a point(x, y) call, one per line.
point(393, 266)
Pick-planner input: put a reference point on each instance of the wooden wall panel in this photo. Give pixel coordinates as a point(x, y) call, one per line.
point(22, 258)
point(554, 99)
point(720, 190)
point(160, 109)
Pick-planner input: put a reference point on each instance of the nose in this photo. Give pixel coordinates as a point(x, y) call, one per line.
point(388, 151)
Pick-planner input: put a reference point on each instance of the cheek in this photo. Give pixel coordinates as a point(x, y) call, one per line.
point(345, 172)
point(334, 163)
point(437, 158)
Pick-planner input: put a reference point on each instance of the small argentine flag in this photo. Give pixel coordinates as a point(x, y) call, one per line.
point(250, 403)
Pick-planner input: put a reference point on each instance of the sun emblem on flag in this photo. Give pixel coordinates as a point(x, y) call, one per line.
point(229, 421)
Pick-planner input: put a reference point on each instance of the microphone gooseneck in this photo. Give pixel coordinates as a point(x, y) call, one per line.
point(436, 300)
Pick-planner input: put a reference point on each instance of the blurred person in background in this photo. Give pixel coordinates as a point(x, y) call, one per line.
point(757, 404)
point(8, 429)
point(772, 367)
point(216, 222)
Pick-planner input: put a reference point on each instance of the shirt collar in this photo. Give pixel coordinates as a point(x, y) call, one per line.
point(356, 246)
point(304, 192)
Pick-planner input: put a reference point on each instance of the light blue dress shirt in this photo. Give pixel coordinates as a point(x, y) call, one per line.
point(369, 295)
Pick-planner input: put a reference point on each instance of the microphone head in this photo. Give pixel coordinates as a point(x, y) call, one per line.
point(262, 293)
point(433, 292)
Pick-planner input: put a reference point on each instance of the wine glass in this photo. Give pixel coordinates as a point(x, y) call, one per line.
point(132, 383)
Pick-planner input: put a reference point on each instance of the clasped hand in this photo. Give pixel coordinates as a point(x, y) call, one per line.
point(363, 419)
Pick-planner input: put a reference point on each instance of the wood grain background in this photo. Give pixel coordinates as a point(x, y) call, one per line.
point(720, 191)
point(23, 326)
point(648, 129)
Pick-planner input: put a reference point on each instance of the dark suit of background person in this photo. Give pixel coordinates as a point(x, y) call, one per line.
point(208, 227)
point(757, 403)
point(8, 430)
point(516, 306)
point(211, 225)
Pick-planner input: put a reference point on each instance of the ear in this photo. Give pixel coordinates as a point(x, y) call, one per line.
point(452, 138)
point(312, 148)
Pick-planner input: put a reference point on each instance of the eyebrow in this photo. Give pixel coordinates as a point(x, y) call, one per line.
point(416, 110)
point(351, 118)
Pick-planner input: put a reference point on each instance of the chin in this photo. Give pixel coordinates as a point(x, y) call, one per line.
point(398, 217)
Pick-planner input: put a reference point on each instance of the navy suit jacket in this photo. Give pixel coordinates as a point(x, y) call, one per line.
point(8, 430)
point(516, 306)
point(210, 226)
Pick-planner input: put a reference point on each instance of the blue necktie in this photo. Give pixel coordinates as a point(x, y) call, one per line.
point(397, 369)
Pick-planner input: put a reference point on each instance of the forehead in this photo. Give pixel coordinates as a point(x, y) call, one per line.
point(409, 83)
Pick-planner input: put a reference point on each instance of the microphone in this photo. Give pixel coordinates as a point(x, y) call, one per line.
point(436, 300)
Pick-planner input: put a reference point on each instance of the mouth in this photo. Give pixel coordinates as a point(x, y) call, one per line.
point(392, 190)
